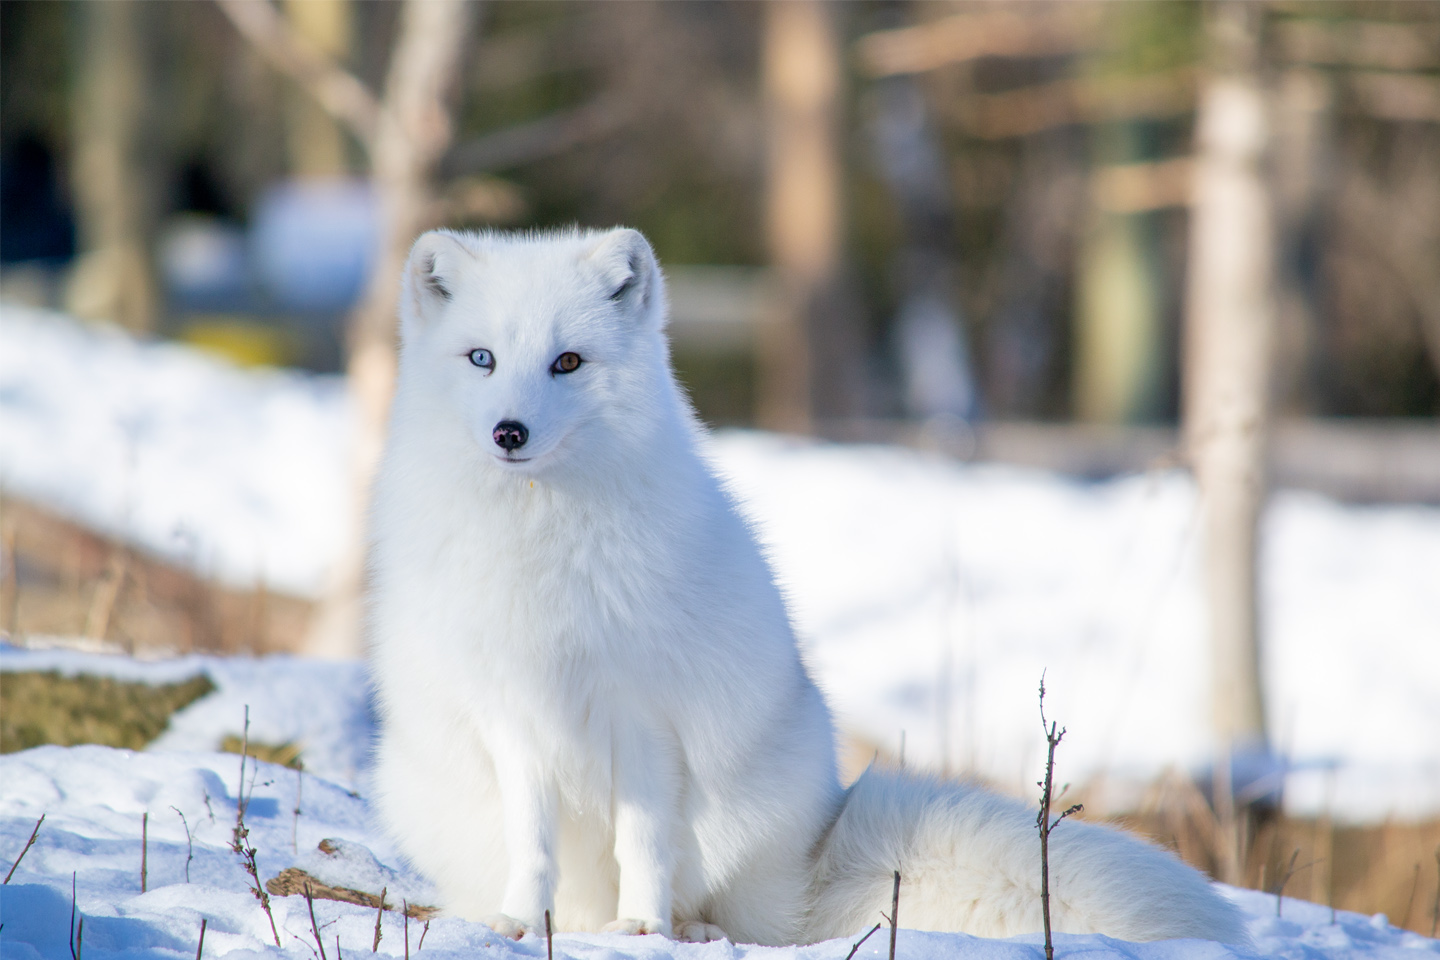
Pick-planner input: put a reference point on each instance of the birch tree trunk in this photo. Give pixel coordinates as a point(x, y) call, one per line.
point(314, 138)
point(1229, 332)
point(413, 131)
point(113, 278)
point(802, 87)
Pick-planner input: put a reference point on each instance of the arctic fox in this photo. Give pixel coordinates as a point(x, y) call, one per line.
point(592, 700)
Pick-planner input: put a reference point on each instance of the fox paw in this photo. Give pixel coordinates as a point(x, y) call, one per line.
point(697, 931)
point(506, 926)
point(637, 927)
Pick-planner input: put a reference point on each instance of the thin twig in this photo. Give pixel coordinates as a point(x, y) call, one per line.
point(405, 912)
point(314, 927)
point(237, 835)
point(1043, 822)
point(549, 939)
point(28, 844)
point(1280, 887)
point(200, 947)
point(144, 850)
point(423, 930)
point(80, 939)
point(867, 936)
point(189, 846)
point(1435, 910)
point(894, 913)
point(379, 912)
point(240, 837)
point(338, 954)
point(295, 823)
point(1410, 902)
point(72, 915)
point(1290, 871)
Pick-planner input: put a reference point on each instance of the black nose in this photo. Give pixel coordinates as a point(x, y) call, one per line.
point(511, 434)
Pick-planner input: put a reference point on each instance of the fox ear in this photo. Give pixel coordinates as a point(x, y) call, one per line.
point(631, 274)
point(430, 276)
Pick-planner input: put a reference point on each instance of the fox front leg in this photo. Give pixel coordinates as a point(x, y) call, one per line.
point(530, 802)
point(646, 795)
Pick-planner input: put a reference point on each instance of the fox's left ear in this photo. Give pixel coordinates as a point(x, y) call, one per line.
point(631, 274)
point(430, 275)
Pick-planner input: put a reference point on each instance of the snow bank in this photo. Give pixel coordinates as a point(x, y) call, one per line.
point(93, 799)
point(239, 474)
point(929, 594)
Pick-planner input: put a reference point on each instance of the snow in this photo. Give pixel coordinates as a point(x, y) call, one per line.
point(929, 596)
point(239, 474)
point(94, 797)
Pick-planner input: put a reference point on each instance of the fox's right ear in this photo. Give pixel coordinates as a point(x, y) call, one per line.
point(430, 277)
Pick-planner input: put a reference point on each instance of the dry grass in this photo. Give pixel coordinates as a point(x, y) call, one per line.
point(60, 579)
point(285, 754)
point(1388, 868)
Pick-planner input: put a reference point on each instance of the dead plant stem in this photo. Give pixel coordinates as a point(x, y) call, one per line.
point(851, 954)
point(31, 842)
point(379, 912)
point(314, 927)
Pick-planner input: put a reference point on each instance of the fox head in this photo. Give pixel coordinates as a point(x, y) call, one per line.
point(547, 350)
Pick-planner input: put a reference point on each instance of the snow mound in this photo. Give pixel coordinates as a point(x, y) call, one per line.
point(94, 798)
point(340, 863)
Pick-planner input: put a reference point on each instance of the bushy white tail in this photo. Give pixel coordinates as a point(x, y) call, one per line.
point(970, 861)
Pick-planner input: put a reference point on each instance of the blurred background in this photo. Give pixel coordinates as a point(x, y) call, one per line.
point(1095, 239)
point(994, 197)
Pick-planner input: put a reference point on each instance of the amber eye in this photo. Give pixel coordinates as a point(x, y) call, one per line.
point(566, 363)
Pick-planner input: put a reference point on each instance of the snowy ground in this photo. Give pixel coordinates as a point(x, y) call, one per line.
point(93, 799)
point(929, 594)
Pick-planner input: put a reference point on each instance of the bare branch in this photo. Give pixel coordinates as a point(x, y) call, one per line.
point(339, 92)
point(537, 139)
point(968, 36)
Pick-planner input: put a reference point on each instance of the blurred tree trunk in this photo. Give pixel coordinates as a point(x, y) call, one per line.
point(801, 67)
point(1120, 341)
point(412, 133)
point(314, 138)
point(113, 278)
point(1229, 333)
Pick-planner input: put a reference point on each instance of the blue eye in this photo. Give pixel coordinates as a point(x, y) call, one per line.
point(483, 358)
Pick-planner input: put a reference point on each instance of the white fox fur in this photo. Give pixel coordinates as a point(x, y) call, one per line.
point(591, 695)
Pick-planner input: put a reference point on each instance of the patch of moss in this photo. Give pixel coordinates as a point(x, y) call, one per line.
point(47, 707)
